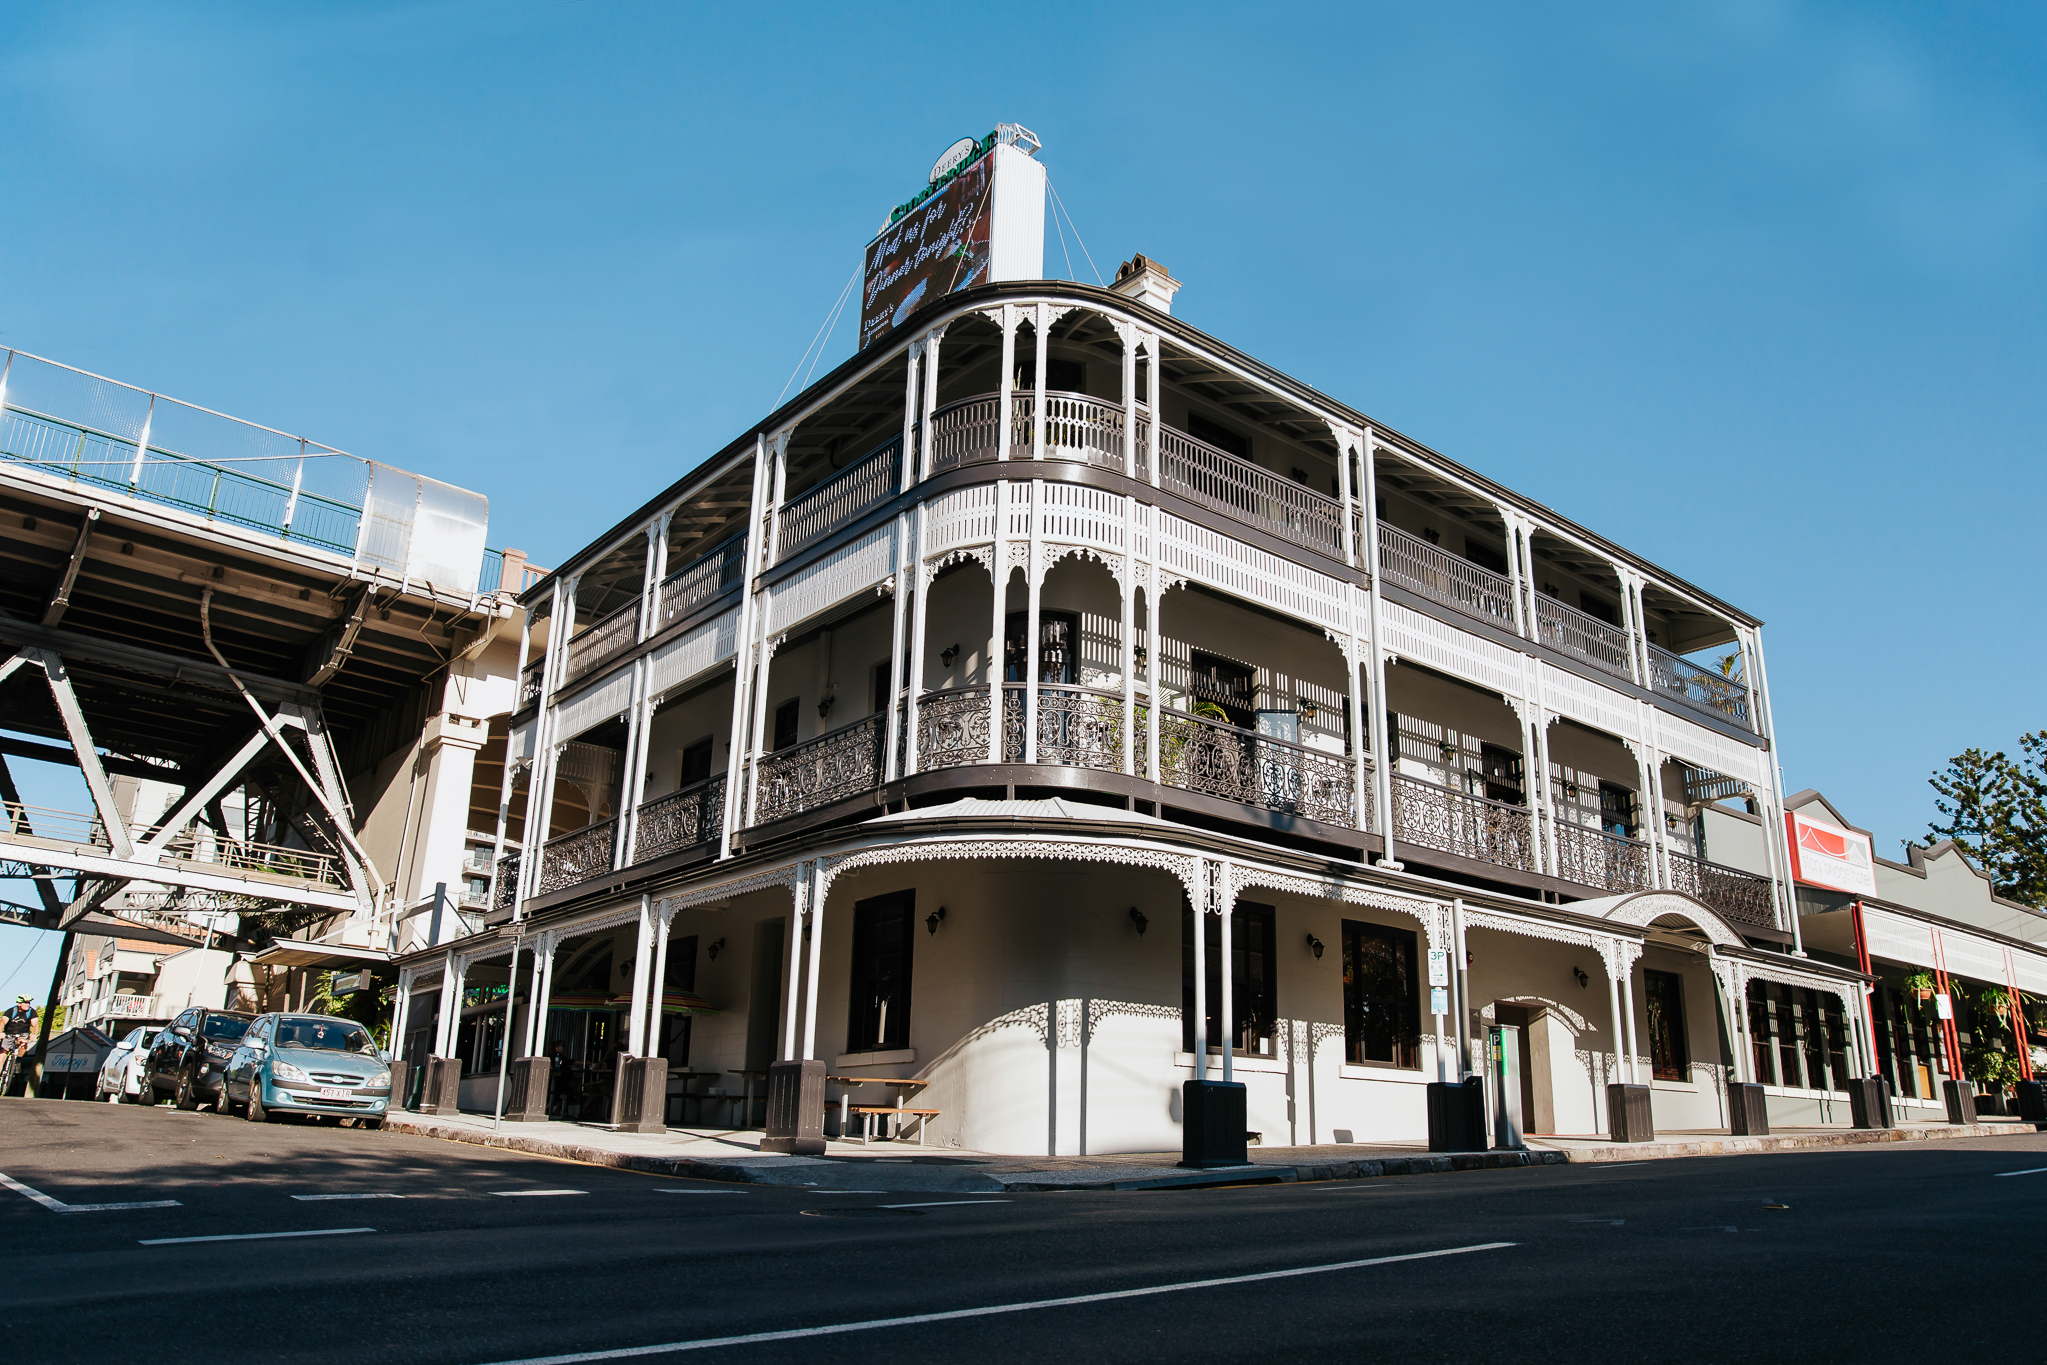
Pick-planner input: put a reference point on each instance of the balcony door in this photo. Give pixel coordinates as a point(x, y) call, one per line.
point(1058, 647)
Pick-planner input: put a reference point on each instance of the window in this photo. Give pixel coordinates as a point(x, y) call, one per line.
point(1502, 769)
point(1381, 1000)
point(695, 765)
point(1218, 435)
point(882, 687)
point(1253, 985)
point(1226, 683)
point(1617, 810)
point(1058, 646)
point(1663, 993)
point(673, 1042)
point(883, 937)
point(786, 716)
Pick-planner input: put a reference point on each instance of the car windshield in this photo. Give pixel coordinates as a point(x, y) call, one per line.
point(328, 1035)
point(225, 1026)
point(139, 1037)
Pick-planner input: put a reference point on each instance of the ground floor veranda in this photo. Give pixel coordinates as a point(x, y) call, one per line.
point(1027, 971)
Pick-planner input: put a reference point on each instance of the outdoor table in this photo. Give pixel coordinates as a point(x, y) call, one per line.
point(746, 1110)
point(903, 1089)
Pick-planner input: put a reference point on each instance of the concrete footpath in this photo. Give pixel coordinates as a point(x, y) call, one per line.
point(735, 1157)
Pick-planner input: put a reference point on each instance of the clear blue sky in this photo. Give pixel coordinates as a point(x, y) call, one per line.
point(1754, 289)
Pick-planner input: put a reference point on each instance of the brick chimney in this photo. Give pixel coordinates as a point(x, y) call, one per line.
point(1146, 281)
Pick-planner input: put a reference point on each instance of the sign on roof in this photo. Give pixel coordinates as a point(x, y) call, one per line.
point(1830, 857)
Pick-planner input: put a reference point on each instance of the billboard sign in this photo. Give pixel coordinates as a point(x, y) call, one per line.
point(939, 245)
point(1829, 857)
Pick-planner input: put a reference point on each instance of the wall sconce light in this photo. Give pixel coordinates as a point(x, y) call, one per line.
point(713, 949)
point(1315, 947)
point(1448, 749)
point(1142, 656)
point(831, 695)
point(934, 919)
point(1583, 980)
point(1137, 917)
point(1432, 535)
point(1305, 707)
point(1670, 821)
point(948, 654)
point(1571, 790)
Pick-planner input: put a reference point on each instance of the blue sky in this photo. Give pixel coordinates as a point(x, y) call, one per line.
point(1754, 289)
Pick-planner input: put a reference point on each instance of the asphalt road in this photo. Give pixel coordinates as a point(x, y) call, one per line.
point(1879, 1254)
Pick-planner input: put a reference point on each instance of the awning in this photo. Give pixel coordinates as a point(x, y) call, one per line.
point(672, 1002)
point(288, 952)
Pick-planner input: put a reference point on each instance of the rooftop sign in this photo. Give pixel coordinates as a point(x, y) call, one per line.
point(1829, 857)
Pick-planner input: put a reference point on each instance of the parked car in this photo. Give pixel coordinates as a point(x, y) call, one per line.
point(120, 1075)
point(308, 1064)
point(188, 1056)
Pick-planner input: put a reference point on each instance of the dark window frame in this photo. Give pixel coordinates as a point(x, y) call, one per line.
point(790, 711)
point(1663, 1001)
point(1387, 1020)
point(1254, 979)
point(882, 925)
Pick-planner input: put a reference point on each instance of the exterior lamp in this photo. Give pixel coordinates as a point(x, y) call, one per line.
point(1448, 749)
point(1305, 707)
point(934, 919)
point(1670, 821)
point(1583, 980)
point(948, 654)
point(1315, 947)
point(713, 950)
point(1137, 917)
point(824, 707)
point(1142, 655)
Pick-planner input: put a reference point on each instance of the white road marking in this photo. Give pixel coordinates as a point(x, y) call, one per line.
point(322, 1198)
point(2037, 1170)
point(59, 1206)
point(674, 1189)
point(249, 1236)
point(947, 1203)
point(1618, 1165)
point(875, 1324)
point(533, 1194)
point(1717, 1227)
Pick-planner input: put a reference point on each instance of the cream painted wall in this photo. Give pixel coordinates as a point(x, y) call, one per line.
point(676, 727)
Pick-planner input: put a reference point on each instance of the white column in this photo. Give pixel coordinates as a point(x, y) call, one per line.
point(451, 1004)
point(1375, 661)
point(536, 994)
point(1542, 798)
point(1128, 333)
point(1155, 658)
point(642, 968)
point(401, 1010)
point(1034, 580)
point(632, 782)
point(931, 344)
point(778, 492)
point(1199, 904)
point(1006, 390)
point(540, 781)
point(816, 879)
point(919, 633)
point(1786, 894)
point(1613, 1006)
point(1634, 1076)
point(906, 463)
point(765, 658)
point(508, 778)
point(1652, 790)
point(1038, 352)
point(664, 922)
point(1158, 411)
point(799, 897)
point(657, 569)
point(998, 568)
point(1127, 622)
point(1511, 521)
point(892, 723)
point(743, 655)
point(1225, 903)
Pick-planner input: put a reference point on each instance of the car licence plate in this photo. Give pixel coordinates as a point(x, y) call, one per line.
point(333, 1092)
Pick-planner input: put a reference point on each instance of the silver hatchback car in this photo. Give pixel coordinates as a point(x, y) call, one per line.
point(307, 1064)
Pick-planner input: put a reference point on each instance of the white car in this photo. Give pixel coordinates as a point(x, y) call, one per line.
point(120, 1076)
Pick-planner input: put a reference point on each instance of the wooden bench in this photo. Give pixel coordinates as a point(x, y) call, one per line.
point(870, 1112)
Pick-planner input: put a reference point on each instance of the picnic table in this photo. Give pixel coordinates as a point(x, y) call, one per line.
point(871, 1114)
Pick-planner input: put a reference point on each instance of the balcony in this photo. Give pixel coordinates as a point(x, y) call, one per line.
point(818, 772)
point(1440, 576)
point(197, 846)
point(1595, 857)
point(1571, 631)
point(680, 820)
point(119, 1007)
point(707, 576)
point(1453, 821)
point(1213, 758)
point(1742, 897)
point(598, 643)
point(577, 857)
point(841, 500)
point(1704, 691)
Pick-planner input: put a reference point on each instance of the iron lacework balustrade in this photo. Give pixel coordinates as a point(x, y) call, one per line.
point(577, 857)
point(817, 772)
point(681, 819)
point(1596, 857)
point(1453, 821)
point(1742, 897)
point(952, 728)
point(1214, 758)
point(700, 580)
point(1702, 689)
point(504, 891)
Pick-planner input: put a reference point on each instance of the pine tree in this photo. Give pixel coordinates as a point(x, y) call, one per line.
point(1995, 810)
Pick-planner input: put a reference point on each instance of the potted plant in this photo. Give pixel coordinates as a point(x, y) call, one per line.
point(1920, 986)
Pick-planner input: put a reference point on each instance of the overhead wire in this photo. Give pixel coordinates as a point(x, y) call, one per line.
point(823, 335)
point(1060, 206)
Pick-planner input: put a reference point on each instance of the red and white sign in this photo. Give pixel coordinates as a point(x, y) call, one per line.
point(1830, 857)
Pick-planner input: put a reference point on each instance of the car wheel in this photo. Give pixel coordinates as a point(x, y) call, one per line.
point(188, 1091)
point(371, 1124)
point(145, 1093)
point(255, 1110)
point(221, 1103)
